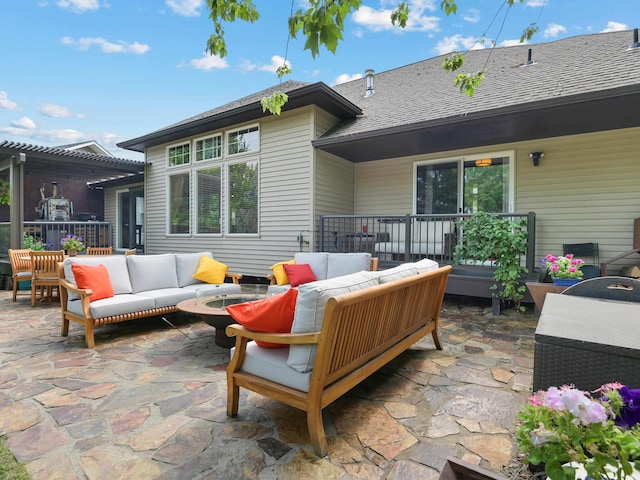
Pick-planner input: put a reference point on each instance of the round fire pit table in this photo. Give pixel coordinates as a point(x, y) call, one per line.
point(212, 308)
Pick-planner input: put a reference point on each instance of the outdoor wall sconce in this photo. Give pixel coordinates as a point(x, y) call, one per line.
point(536, 156)
point(484, 162)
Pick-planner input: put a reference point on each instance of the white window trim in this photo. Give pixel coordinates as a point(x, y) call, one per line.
point(461, 159)
point(195, 141)
point(179, 144)
point(227, 203)
point(225, 150)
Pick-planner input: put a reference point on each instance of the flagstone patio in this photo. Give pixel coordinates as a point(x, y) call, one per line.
point(149, 402)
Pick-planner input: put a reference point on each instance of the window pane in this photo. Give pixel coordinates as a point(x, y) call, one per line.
point(179, 155)
point(486, 185)
point(179, 203)
point(209, 148)
point(208, 187)
point(437, 188)
point(243, 197)
point(246, 140)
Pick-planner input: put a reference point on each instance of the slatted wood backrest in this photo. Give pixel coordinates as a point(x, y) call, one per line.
point(20, 260)
point(99, 250)
point(359, 326)
point(131, 251)
point(44, 264)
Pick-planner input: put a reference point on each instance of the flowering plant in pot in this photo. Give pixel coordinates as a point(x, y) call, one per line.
point(594, 434)
point(566, 266)
point(72, 242)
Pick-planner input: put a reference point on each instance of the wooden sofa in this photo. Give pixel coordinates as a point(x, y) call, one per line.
point(361, 331)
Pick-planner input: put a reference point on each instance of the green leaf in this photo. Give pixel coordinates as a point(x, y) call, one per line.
point(274, 102)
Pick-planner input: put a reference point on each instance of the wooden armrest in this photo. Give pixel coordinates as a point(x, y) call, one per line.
point(236, 330)
point(72, 288)
point(235, 277)
point(272, 279)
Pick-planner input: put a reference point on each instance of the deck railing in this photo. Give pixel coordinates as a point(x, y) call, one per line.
point(399, 238)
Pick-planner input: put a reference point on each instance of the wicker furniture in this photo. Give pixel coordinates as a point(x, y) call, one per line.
point(361, 331)
point(586, 342)
point(20, 268)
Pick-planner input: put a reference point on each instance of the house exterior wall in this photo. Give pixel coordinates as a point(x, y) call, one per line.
point(584, 190)
point(111, 206)
point(286, 189)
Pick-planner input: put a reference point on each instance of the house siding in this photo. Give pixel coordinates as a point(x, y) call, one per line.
point(584, 190)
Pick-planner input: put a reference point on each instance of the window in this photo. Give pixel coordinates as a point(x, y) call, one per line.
point(208, 185)
point(468, 185)
point(179, 203)
point(178, 154)
point(245, 140)
point(243, 197)
point(209, 148)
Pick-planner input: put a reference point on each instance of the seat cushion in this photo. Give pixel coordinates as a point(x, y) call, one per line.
point(116, 266)
point(187, 265)
point(310, 308)
point(116, 305)
point(151, 272)
point(271, 363)
point(206, 289)
point(168, 297)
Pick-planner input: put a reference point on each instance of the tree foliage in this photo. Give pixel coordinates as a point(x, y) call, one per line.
point(323, 23)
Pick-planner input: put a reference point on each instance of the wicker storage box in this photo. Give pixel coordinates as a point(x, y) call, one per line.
point(586, 342)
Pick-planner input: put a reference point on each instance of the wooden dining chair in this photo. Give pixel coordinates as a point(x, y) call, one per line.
point(44, 274)
point(131, 251)
point(20, 268)
point(99, 250)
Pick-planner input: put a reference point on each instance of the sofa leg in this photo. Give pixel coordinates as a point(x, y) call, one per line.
point(64, 331)
point(88, 335)
point(233, 397)
point(316, 431)
point(436, 339)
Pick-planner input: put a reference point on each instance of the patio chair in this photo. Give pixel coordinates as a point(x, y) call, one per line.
point(587, 252)
point(44, 273)
point(20, 268)
point(131, 251)
point(99, 250)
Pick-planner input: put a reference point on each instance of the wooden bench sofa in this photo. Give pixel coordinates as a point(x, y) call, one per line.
point(350, 336)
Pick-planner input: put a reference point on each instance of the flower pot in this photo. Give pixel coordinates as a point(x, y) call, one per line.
point(566, 282)
point(72, 253)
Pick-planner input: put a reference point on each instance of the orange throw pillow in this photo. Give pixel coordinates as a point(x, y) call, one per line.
point(272, 315)
point(299, 274)
point(95, 277)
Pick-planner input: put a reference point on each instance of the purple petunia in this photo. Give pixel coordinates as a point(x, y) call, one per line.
point(630, 412)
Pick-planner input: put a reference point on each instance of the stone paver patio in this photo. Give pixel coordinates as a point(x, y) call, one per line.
point(149, 403)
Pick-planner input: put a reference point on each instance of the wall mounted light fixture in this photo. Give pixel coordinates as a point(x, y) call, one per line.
point(536, 156)
point(483, 162)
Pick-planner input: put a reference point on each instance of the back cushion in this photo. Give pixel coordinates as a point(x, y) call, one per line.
point(346, 263)
point(151, 272)
point(431, 231)
point(426, 265)
point(317, 261)
point(116, 266)
point(186, 266)
point(396, 273)
point(310, 307)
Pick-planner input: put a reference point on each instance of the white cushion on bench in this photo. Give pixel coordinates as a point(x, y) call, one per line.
point(426, 265)
point(271, 363)
point(116, 266)
point(168, 297)
point(317, 261)
point(396, 273)
point(310, 307)
point(187, 264)
point(151, 272)
point(117, 305)
point(340, 264)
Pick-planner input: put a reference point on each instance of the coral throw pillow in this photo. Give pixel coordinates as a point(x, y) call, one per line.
point(299, 274)
point(279, 273)
point(95, 277)
point(272, 315)
point(210, 270)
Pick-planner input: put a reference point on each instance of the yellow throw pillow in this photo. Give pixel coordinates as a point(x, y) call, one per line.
point(279, 273)
point(210, 270)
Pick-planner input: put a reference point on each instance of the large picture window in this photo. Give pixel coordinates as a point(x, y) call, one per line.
point(179, 154)
point(208, 148)
point(208, 204)
point(242, 188)
point(464, 185)
point(179, 203)
point(245, 140)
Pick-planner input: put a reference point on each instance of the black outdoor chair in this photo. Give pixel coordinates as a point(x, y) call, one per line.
point(587, 252)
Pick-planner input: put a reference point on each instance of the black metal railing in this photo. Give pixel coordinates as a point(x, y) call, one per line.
point(399, 238)
point(94, 234)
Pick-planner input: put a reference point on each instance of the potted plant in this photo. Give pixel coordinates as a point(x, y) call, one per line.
point(30, 242)
point(503, 242)
point(576, 434)
point(72, 244)
point(565, 270)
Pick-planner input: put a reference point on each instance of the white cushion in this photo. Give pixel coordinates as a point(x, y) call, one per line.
point(310, 307)
point(426, 265)
point(396, 273)
point(186, 265)
point(275, 289)
point(116, 305)
point(271, 363)
point(340, 264)
point(151, 272)
point(116, 266)
point(168, 297)
point(317, 262)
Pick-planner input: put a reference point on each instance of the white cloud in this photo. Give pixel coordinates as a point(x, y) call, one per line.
point(79, 6)
point(55, 111)
point(511, 43)
point(457, 43)
point(553, 30)
point(536, 3)
point(208, 62)
point(380, 20)
point(276, 62)
point(24, 122)
point(85, 43)
point(186, 8)
point(615, 27)
point(472, 15)
point(345, 77)
point(5, 103)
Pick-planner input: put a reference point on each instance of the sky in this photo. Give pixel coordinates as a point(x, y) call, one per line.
point(112, 70)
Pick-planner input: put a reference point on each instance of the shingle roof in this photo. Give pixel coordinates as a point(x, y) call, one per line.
point(423, 91)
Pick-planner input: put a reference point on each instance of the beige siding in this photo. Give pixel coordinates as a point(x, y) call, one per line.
point(584, 190)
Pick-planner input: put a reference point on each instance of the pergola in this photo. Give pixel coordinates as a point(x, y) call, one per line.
point(25, 159)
